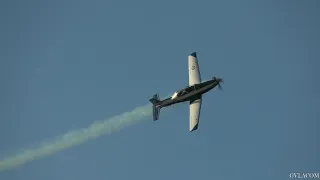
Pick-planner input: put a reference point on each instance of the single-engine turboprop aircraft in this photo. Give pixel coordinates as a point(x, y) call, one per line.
point(192, 93)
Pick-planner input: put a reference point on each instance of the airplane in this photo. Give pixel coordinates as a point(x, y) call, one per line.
point(192, 93)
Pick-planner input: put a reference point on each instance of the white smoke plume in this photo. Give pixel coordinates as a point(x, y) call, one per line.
point(77, 137)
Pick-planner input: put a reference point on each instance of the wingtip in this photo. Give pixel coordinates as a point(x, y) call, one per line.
point(194, 128)
point(194, 54)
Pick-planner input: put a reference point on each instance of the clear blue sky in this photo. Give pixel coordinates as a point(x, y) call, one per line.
point(64, 64)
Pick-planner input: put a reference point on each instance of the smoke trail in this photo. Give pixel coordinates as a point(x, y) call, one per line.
point(77, 137)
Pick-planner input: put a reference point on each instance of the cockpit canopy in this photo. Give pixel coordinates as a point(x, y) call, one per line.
point(175, 94)
point(182, 92)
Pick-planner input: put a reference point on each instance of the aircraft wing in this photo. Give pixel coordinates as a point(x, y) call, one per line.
point(194, 71)
point(195, 108)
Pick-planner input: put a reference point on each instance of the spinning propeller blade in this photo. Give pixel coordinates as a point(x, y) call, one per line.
point(219, 81)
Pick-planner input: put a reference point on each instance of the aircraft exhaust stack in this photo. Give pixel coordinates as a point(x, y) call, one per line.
point(155, 107)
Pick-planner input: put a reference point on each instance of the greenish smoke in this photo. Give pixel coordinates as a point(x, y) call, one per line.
point(77, 137)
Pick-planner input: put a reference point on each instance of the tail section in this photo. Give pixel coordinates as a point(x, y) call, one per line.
point(155, 106)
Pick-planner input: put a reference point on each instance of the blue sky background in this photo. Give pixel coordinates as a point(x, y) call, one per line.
point(64, 64)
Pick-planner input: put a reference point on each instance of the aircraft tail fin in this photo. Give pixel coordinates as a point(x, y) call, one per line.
point(155, 106)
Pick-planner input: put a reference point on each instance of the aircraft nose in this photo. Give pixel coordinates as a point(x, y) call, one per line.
point(217, 79)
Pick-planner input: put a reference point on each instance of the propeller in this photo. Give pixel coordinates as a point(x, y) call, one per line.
point(220, 80)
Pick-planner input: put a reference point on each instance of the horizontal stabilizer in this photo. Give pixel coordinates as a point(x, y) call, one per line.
point(155, 107)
